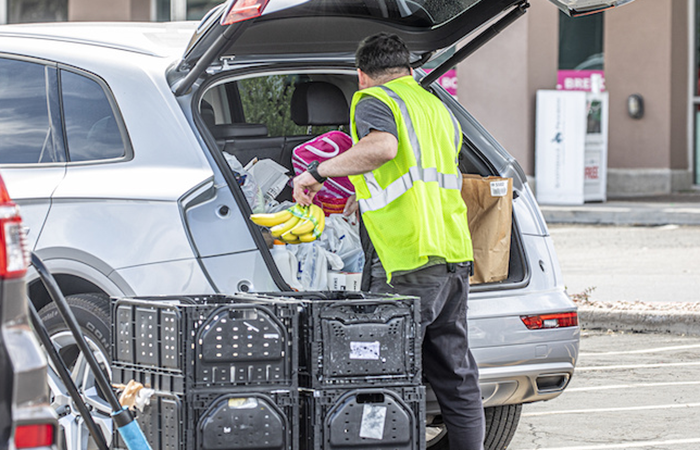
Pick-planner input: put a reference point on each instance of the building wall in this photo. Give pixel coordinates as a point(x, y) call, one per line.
point(116, 10)
point(646, 53)
point(498, 83)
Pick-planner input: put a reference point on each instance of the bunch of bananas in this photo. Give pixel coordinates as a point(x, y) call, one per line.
point(294, 225)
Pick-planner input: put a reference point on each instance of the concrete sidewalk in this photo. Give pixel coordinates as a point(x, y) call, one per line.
point(675, 209)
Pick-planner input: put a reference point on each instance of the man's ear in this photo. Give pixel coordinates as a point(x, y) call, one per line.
point(363, 80)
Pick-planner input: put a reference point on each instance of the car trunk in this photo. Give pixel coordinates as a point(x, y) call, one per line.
point(237, 43)
point(239, 119)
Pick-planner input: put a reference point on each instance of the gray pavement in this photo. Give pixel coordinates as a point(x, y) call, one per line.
point(632, 264)
point(629, 391)
point(677, 209)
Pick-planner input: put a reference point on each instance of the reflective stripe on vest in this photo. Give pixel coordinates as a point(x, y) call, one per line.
point(379, 198)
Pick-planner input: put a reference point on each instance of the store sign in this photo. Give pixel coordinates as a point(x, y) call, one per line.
point(596, 147)
point(448, 81)
point(579, 80)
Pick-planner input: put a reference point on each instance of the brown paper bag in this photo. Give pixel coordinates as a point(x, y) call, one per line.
point(489, 211)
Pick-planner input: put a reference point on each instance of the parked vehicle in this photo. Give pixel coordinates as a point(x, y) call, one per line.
point(26, 419)
point(113, 139)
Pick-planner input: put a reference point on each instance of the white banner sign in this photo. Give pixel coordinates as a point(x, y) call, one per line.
point(559, 147)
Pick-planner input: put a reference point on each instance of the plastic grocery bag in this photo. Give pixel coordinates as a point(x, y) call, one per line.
point(250, 189)
point(343, 239)
point(270, 176)
point(314, 262)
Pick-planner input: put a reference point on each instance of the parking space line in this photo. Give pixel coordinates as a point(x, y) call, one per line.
point(626, 445)
point(630, 386)
point(601, 410)
point(646, 350)
point(636, 366)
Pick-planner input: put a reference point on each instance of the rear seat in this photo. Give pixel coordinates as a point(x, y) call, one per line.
point(315, 103)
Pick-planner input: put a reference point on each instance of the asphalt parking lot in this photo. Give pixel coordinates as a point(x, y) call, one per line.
point(629, 391)
point(630, 263)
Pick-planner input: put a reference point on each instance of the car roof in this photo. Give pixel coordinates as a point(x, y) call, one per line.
point(165, 39)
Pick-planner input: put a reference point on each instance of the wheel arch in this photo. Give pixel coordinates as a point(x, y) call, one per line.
point(78, 274)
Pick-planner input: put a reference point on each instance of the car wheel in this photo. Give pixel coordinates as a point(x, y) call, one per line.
point(435, 434)
point(501, 423)
point(92, 313)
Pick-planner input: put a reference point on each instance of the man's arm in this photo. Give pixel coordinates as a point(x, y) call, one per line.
point(372, 151)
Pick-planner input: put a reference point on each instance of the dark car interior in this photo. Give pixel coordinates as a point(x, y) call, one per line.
point(267, 117)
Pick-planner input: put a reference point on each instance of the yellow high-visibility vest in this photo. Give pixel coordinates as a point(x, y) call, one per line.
point(412, 205)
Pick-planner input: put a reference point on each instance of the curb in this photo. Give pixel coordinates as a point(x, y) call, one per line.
point(621, 216)
point(671, 322)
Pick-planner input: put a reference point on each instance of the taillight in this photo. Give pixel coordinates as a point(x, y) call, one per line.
point(13, 255)
point(546, 321)
point(240, 10)
point(30, 436)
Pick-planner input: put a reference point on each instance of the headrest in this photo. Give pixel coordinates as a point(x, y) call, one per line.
point(238, 130)
point(207, 113)
point(319, 103)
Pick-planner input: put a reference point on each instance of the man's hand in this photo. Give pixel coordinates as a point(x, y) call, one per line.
point(351, 206)
point(305, 188)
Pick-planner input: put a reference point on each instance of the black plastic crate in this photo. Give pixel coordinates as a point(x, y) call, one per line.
point(208, 341)
point(363, 418)
point(152, 379)
point(162, 422)
point(245, 419)
point(353, 338)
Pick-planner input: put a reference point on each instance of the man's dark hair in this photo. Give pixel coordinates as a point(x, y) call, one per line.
point(382, 54)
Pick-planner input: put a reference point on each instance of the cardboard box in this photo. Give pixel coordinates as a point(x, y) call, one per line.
point(344, 281)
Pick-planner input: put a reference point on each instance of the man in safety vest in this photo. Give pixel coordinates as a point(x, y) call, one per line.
point(404, 167)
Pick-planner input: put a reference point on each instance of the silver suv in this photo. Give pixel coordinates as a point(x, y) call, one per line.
point(113, 140)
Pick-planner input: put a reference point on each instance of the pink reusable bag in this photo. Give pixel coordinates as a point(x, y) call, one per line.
point(321, 148)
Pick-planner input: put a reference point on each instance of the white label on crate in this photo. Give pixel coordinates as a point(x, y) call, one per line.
point(271, 336)
point(373, 421)
point(499, 188)
point(364, 350)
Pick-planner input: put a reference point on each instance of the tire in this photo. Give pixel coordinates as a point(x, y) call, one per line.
point(501, 423)
point(93, 315)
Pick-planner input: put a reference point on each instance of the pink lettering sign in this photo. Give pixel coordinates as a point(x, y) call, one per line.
point(577, 80)
point(448, 81)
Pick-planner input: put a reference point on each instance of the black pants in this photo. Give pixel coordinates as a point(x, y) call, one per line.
point(448, 364)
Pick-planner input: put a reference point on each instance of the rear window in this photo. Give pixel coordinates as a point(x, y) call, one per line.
point(30, 131)
point(48, 115)
point(92, 132)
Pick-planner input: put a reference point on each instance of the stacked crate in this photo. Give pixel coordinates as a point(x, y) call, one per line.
point(359, 370)
point(225, 372)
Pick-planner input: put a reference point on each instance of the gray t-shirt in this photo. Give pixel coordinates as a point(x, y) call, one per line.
point(373, 114)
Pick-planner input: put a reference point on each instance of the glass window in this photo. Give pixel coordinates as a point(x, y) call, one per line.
point(162, 11)
point(92, 132)
point(581, 42)
point(196, 9)
point(267, 100)
point(29, 114)
point(696, 89)
point(25, 11)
